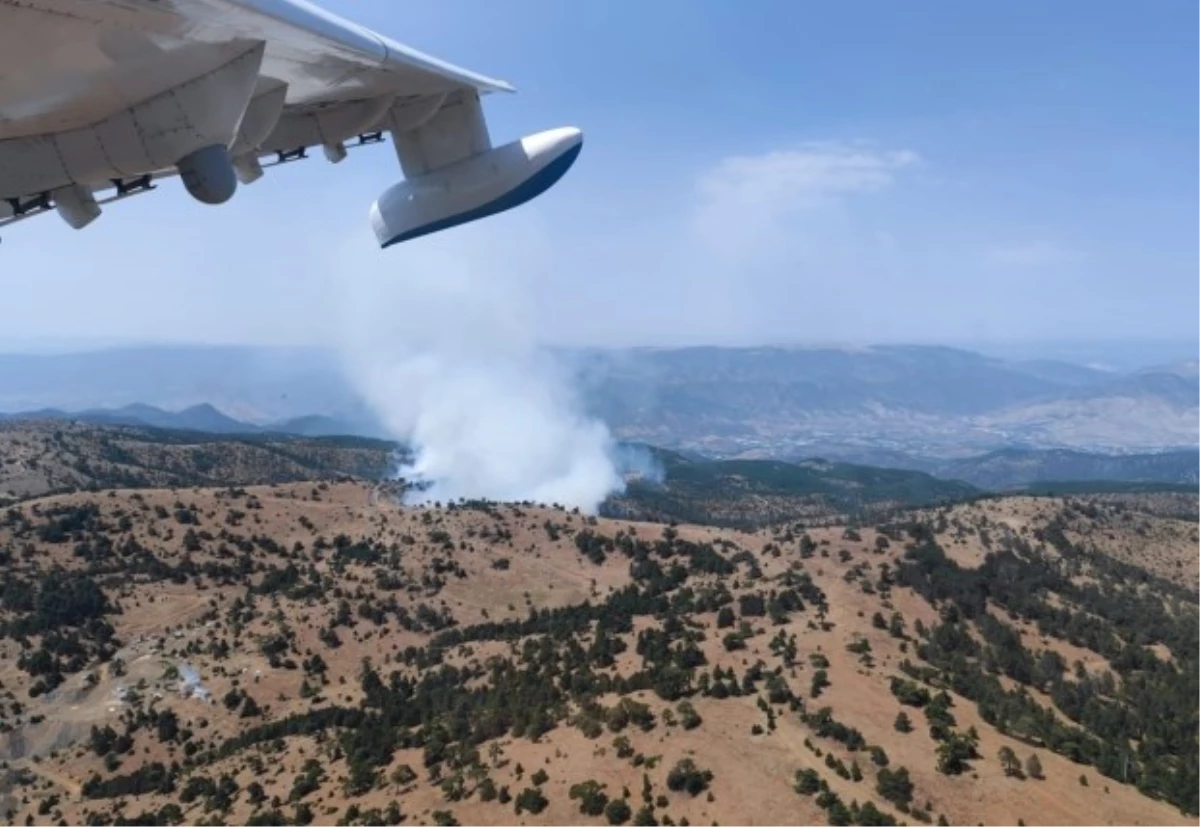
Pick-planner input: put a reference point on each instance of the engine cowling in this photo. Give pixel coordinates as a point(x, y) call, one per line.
point(482, 185)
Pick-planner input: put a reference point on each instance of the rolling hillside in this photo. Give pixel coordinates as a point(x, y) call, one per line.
point(1014, 468)
point(38, 457)
point(318, 653)
point(756, 492)
point(311, 651)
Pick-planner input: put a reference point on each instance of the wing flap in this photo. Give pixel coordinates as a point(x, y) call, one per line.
point(14, 210)
point(328, 126)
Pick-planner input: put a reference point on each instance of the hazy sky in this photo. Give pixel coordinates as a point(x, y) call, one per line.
point(753, 172)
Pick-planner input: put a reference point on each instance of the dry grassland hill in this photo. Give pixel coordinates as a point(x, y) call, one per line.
point(39, 457)
point(51, 456)
point(318, 653)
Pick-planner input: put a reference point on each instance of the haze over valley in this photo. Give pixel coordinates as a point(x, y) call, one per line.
point(954, 413)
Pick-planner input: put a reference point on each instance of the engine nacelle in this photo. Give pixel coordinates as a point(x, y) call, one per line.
point(208, 174)
point(482, 185)
point(76, 205)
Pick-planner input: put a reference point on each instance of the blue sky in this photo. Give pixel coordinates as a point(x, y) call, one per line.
point(753, 172)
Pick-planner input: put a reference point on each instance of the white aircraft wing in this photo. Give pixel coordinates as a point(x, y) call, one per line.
point(101, 98)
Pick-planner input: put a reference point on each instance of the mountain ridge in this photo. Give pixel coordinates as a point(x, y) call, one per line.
point(938, 402)
point(202, 417)
point(1004, 469)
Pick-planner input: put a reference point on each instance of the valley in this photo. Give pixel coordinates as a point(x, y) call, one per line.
point(916, 407)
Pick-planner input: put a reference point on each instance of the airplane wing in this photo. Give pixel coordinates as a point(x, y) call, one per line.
point(100, 99)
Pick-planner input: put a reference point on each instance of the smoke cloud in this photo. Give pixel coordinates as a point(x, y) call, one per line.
point(436, 336)
point(638, 461)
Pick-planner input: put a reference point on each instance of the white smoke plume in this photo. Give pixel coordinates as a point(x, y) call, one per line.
point(435, 335)
point(638, 461)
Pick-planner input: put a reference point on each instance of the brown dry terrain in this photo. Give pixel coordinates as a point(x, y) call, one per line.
point(1157, 533)
point(41, 457)
point(167, 654)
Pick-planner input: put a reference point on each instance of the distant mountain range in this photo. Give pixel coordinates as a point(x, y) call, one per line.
point(1005, 469)
point(919, 401)
point(204, 418)
point(253, 384)
point(916, 407)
